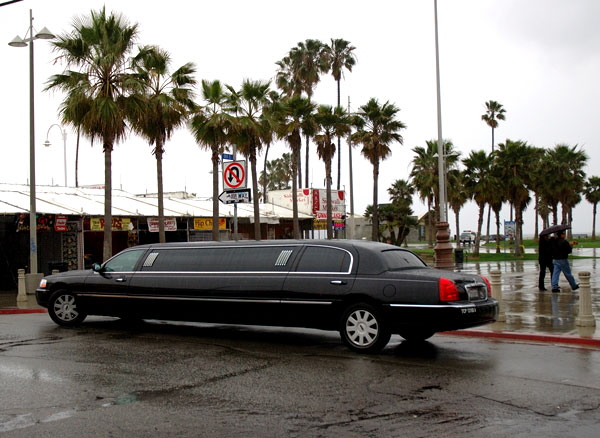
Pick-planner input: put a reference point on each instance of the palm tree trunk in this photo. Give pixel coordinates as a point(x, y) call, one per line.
point(306, 161)
point(77, 159)
point(457, 218)
point(339, 143)
point(375, 231)
point(487, 238)
point(257, 235)
point(295, 156)
point(429, 223)
point(329, 210)
point(518, 231)
point(299, 162)
point(162, 238)
point(479, 226)
point(264, 195)
point(497, 213)
point(215, 196)
point(107, 244)
point(594, 221)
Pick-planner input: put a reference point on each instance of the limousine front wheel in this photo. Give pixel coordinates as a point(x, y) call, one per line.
point(363, 329)
point(64, 310)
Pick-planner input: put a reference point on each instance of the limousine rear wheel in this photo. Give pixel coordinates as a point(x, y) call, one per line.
point(64, 310)
point(363, 329)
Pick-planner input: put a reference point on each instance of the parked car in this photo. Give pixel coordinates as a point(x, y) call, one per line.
point(366, 290)
point(467, 237)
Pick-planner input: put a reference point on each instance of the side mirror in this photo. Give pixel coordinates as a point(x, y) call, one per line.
point(97, 267)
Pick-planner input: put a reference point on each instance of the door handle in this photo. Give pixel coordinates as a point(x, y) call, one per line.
point(121, 279)
point(337, 282)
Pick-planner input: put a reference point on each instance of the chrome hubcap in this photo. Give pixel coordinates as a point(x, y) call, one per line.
point(65, 308)
point(362, 328)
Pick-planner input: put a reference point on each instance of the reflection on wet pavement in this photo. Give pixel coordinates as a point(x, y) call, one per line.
point(529, 310)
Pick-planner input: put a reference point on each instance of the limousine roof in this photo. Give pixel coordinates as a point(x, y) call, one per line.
point(367, 252)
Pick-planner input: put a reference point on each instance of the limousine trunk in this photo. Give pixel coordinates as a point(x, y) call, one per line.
point(366, 290)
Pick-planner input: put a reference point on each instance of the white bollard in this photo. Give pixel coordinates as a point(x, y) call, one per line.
point(586, 317)
point(496, 282)
point(21, 289)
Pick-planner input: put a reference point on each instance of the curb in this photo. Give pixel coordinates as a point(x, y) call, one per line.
point(571, 340)
point(20, 311)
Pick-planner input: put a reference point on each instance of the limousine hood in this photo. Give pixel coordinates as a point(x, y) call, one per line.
point(68, 275)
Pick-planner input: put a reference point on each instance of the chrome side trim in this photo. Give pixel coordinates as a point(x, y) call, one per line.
point(434, 306)
point(224, 300)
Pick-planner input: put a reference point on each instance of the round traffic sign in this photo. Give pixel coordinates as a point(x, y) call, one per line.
point(234, 175)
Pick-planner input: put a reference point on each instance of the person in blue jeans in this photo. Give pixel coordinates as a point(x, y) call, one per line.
point(560, 259)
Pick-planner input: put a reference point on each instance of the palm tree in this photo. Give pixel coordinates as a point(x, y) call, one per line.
point(479, 185)
point(493, 113)
point(377, 129)
point(294, 115)
point(167, 101)
point(514, 160)
point(457, 196)
point(425, 176)
point(211, 127)
point(592, 194)
point(495, 197)
point(277, 174)
point(251, 130)
point(339, 56)
point(300, 72)
point(566, 164)
point(331, 122)
point(401, 192)
point(98, 95)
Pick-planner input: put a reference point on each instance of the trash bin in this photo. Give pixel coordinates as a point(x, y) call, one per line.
point(458, 256)
point(59, 266)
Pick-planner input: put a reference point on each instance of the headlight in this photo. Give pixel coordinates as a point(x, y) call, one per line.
point(43, 283)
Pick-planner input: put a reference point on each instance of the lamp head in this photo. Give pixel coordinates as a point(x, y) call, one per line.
point(17, 42)
point(45, 34)
point(47, 143)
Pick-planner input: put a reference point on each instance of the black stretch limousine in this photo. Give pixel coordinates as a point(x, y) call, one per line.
point(366, 290)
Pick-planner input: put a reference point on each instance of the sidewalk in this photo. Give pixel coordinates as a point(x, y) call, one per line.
point(531, 315)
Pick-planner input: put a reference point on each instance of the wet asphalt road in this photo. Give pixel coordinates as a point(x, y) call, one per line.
point(106, 378)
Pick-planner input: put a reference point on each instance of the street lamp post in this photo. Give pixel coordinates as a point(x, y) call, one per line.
point(20, 42)
point(443, 249)
point(64, 137)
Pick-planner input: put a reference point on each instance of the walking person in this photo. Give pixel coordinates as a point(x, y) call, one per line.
point(560, 253)
point(545, 259)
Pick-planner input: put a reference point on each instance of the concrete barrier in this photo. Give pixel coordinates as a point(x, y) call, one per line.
point(496, 282)
point(586, 317)
point(21, 288)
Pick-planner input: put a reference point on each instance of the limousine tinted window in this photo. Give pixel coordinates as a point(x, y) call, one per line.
point(398, 259)
point(124, 262)
point(243, 259)
point(324, 259)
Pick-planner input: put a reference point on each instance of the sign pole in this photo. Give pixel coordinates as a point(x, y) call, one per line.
point(235, 215)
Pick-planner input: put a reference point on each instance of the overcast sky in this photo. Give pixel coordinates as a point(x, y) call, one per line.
point(539, 58)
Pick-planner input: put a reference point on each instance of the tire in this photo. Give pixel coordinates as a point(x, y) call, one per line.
point(363, 329)
point(64, 310)
point(416, 334)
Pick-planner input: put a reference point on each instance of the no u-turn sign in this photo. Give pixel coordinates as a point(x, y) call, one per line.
point(234, 175)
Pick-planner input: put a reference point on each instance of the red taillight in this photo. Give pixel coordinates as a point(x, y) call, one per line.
point(488, 284)
point(448, 290)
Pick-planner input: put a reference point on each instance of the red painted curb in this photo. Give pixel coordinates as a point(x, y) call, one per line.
point(20, 311)
point(526, 337)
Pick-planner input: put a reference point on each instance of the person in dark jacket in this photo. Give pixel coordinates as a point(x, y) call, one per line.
point(545, 258)
point(560, 253)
